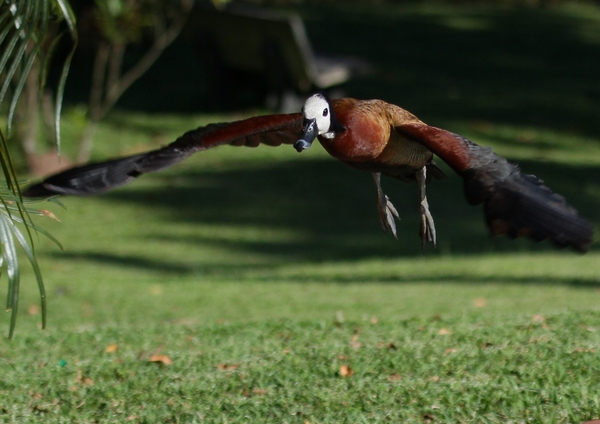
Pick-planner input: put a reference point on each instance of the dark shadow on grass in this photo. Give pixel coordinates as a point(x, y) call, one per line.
point(231, 272)
point(330, 209)
point(122, 261)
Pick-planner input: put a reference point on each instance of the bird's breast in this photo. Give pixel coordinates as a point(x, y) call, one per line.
point(364, 139)
point(370, 138)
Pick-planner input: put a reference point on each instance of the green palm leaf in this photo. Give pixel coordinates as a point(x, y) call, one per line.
point(24, 25)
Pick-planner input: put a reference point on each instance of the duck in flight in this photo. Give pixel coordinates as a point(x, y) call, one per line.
point(373, 136)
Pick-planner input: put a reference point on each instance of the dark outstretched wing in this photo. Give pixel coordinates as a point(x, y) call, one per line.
point(515, 204)
point(95, 178)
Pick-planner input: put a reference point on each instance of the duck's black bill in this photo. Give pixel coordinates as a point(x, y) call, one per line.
point(309, 133)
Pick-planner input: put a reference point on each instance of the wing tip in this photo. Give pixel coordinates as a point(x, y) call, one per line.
point(38, 190)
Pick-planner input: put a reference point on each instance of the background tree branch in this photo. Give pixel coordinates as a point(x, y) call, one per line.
point(109, 80)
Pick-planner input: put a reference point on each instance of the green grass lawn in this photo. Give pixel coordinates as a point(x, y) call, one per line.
point(465, 368)
point(255, 285)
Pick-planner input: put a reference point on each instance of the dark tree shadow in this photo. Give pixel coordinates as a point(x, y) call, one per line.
point(229, 272)
point(333, 207)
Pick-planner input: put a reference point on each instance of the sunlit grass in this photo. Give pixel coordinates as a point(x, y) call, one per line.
point(459, 369)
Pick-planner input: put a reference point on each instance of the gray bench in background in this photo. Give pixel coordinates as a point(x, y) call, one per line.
point(275, 46)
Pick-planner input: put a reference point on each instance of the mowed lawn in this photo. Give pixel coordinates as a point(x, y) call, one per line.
point(255, 285)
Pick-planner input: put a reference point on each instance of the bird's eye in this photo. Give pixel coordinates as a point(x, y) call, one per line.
point(325, 112)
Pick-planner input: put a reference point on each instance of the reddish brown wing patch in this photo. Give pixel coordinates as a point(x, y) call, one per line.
point(272, 130)
point(451, 149)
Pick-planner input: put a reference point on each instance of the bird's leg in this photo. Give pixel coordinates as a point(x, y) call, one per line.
point(386, 209)
point(427, 226)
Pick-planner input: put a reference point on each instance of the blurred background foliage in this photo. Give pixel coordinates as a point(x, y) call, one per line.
point(107, 29)
point(432, 57)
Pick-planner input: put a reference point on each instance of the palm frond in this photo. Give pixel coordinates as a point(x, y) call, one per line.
point(12, 212)
point(11, 261)
point(23, 29)
point(9, 226)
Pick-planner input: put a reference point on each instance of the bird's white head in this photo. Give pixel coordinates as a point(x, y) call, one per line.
point(318, 119)
point(317, 107)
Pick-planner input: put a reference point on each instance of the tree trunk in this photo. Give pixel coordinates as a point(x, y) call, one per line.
point(95, 103)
